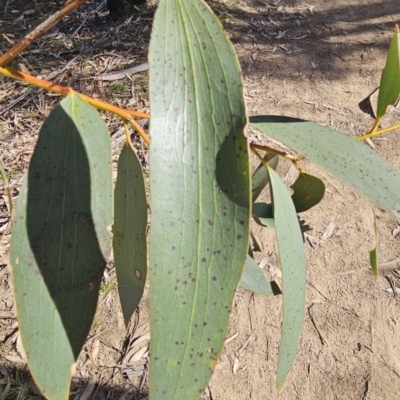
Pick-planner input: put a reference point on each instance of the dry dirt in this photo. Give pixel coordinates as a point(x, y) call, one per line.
point(316, 60)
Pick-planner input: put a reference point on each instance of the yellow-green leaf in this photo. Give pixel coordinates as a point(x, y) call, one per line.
point(389, 89)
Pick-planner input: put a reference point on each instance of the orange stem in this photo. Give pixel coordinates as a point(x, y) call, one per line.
point(39, 31)
point(65, 91)
point(254, 146)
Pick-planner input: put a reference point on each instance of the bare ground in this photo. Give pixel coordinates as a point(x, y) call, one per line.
point(317, 61)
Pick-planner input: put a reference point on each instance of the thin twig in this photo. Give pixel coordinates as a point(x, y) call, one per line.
point(278, 152)
point(39, 31)
point(376, 133)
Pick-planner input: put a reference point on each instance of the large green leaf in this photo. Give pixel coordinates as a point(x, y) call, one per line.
point(260, 178)
point(60, 241)
point(293, 263)
point(200, 195)
point(129, 231)
point(389, 89)
point(253, 280)
point(308, 191)
point(344, 157)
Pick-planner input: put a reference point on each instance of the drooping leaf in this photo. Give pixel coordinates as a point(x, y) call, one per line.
point(60, 242)
point(293, 263)
point(253, 280)
point(389, 89)
point(308, 191)
point(260, 177)
point(263, 215)
point(129, 231)
point(200, 195)
point(349, 160)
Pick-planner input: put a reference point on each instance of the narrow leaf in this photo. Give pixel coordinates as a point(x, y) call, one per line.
point(349, 160)
point(373, 254)
point(60, 241)
point(373, 259)
point(389, 89)
point(260, 177)
point(129, 231)
point(200, 195)
point(308, 191)
point(253, 280)
point(293, 263)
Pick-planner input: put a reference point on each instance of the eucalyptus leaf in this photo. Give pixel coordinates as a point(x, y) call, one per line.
point(129, 231)
point(308, 191)
point(293, 263)
point(263, 215)
point(60, 241)
point(253, 280)
point(260, 177)
point(200, 195)
point(349, 160)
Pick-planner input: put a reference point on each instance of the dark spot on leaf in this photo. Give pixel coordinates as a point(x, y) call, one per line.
point(203, 260)
point(214, 278)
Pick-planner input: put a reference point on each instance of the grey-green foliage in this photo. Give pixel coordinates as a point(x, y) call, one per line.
point(200, 195)
point(60, 241)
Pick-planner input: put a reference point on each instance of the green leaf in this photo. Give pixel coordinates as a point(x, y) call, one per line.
point(373, 259)
point(373, 254)
point(60, 242)
point(263, 214)
point(129, 231)
point(200, 195)
point(253, 280)
point(260, 177)
point(293, 263)
point(349, 160)
point(308, 191)
point(389, 89)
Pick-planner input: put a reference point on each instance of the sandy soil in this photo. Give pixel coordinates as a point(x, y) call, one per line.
point(316, 60)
